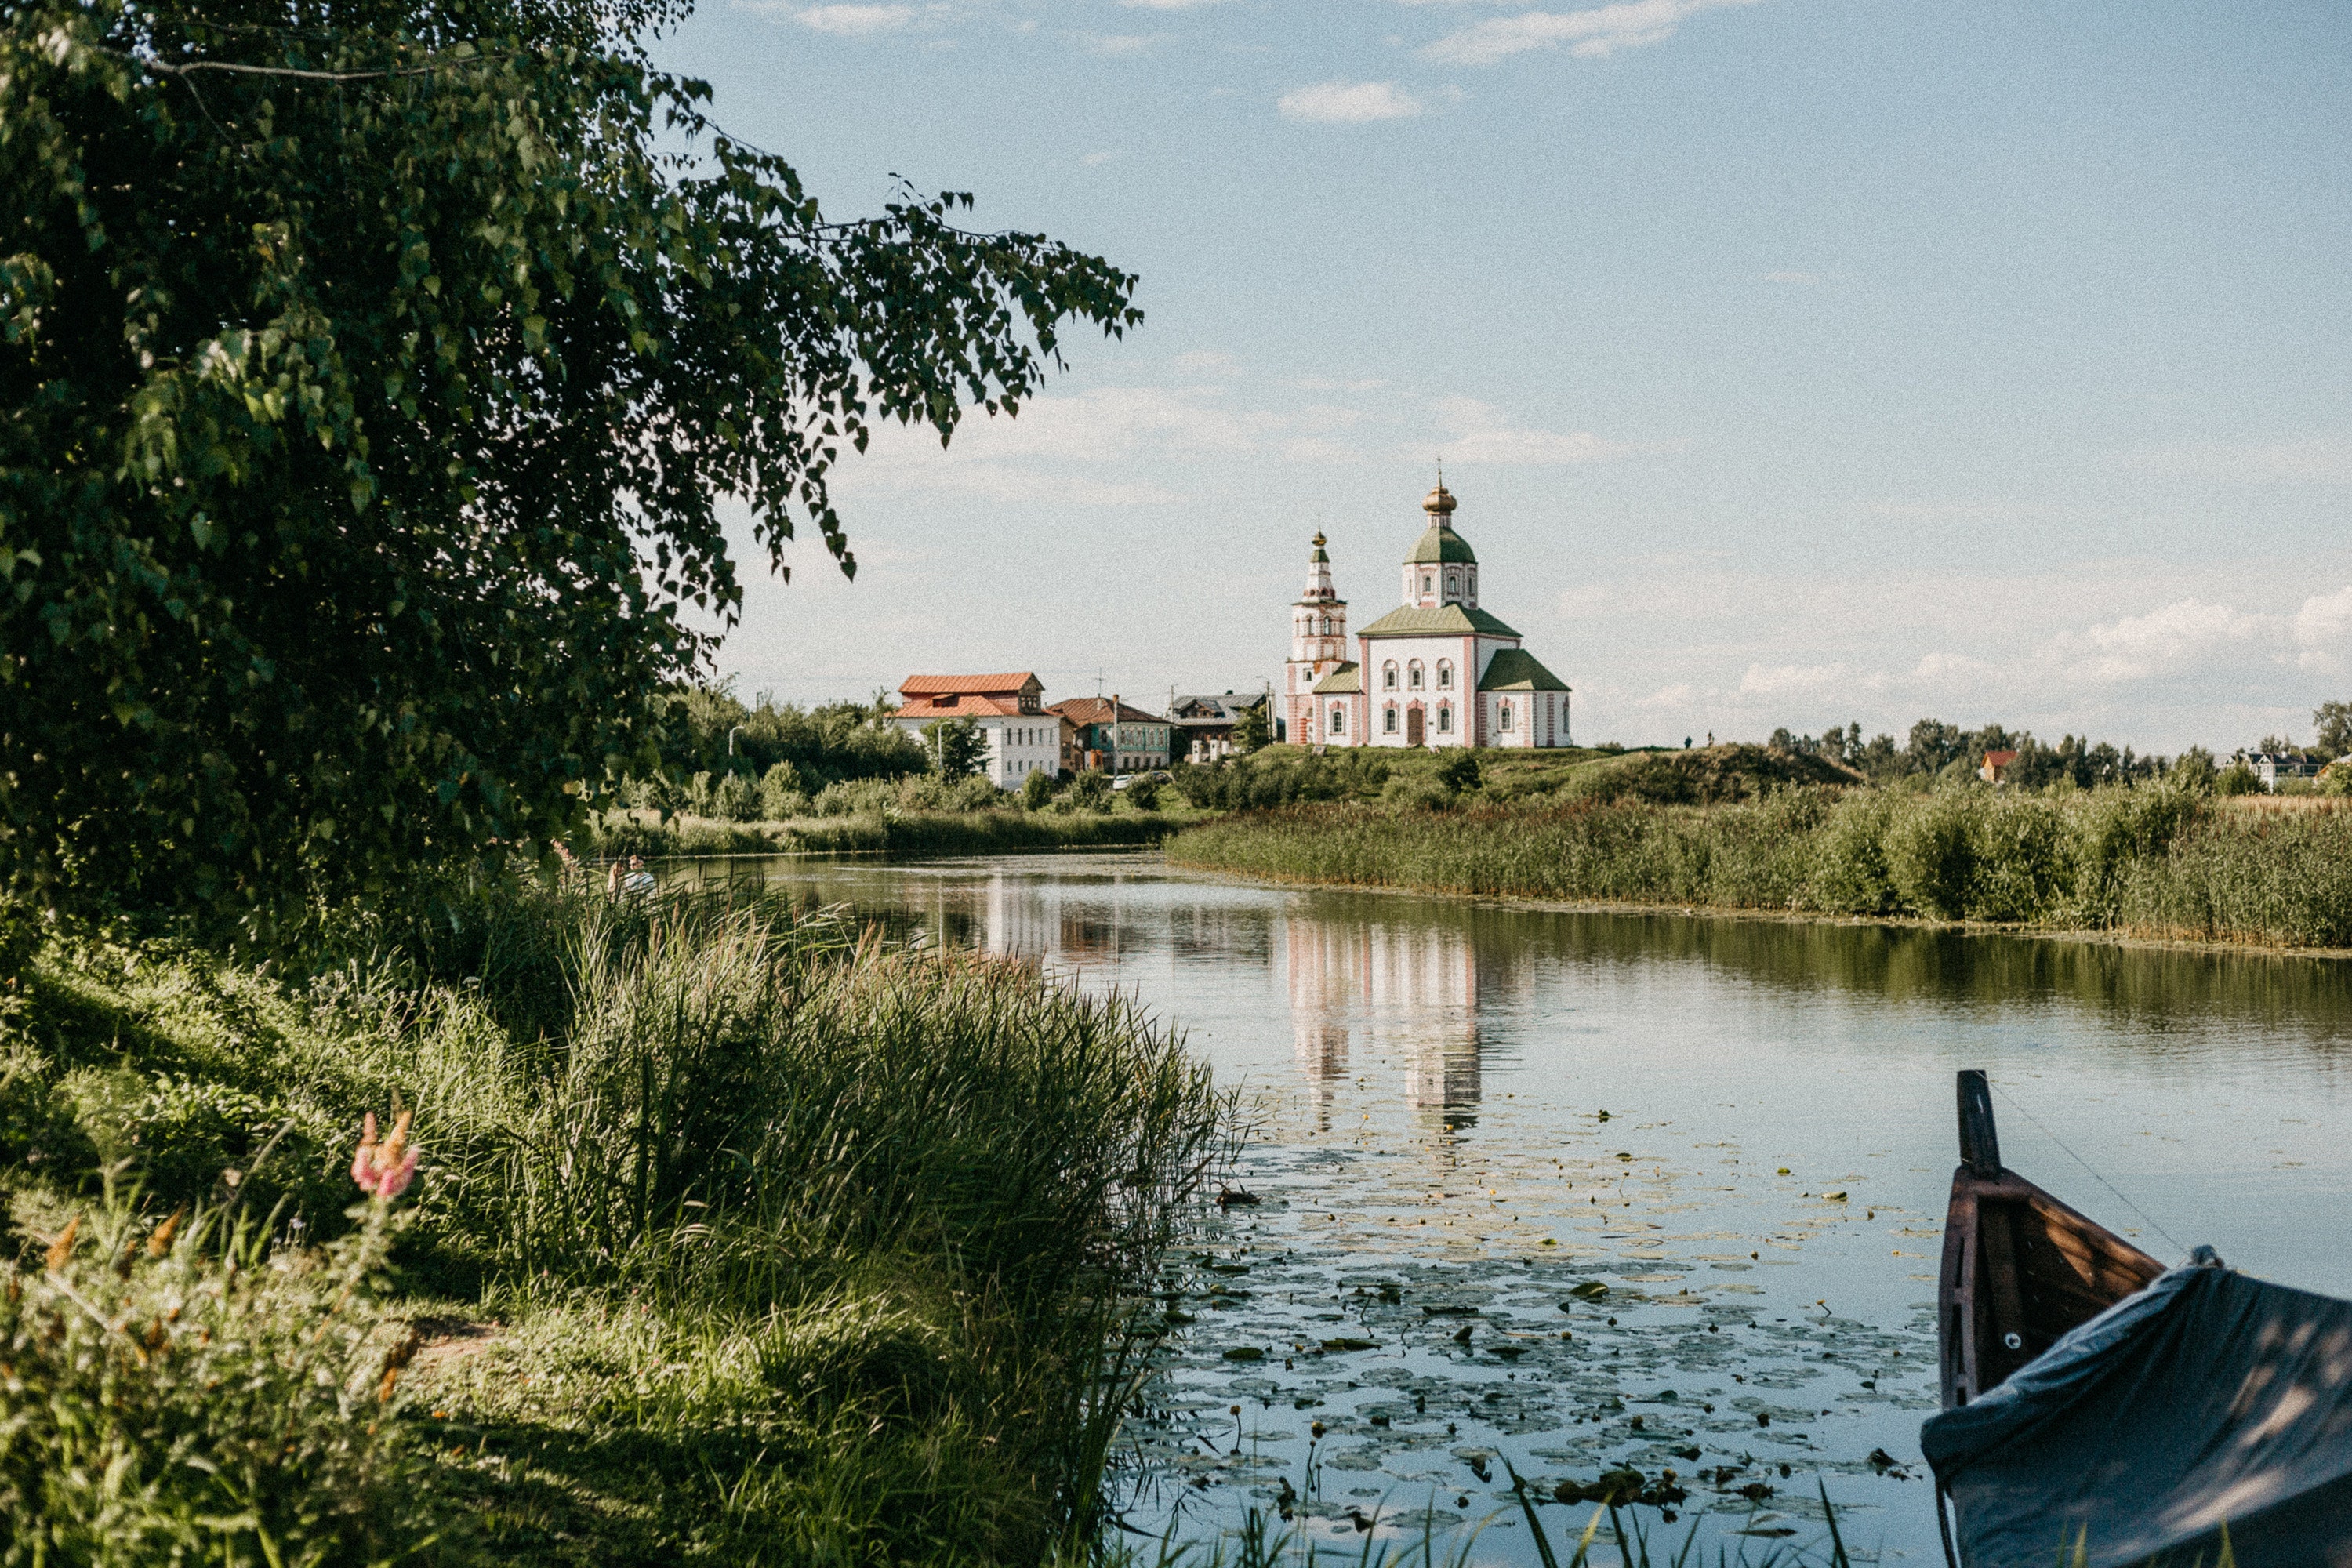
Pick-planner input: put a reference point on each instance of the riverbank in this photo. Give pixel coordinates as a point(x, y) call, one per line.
point(734, 1234)
point(911, 834)
point(2151, 863)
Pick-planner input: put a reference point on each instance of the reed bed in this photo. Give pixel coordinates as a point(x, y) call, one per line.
point(908, 835)
point(739, 1234)
point(2150, 860)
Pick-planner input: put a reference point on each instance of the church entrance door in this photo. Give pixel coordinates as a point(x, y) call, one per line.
point(1412, 726)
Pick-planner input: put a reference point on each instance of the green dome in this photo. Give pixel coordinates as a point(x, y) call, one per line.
point(1439, 543)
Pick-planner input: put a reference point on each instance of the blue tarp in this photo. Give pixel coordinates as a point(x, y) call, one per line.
point(2206, 1400)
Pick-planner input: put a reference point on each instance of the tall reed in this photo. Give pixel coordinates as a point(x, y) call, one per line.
point(2151, 859)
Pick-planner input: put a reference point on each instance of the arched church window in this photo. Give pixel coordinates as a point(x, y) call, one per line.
point(1444, 674)
point(1387, 719)
point(1503, 717)
point(1338, 720)
point(1452, 583)
point(1412, 675)
point(1424, 582)
point(1388, 676)
point(1446, 720)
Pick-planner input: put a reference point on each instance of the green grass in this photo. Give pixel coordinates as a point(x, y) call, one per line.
point(739, 1237)
point(2151, 861)
point(913, 833)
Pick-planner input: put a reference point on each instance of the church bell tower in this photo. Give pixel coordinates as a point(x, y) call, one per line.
point(1318, 644)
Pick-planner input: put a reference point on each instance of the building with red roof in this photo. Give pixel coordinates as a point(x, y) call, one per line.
point(1008, 709)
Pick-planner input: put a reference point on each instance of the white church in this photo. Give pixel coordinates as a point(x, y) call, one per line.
point(1436, 671)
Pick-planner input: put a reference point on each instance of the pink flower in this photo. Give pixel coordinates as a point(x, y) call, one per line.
point(384, 1169)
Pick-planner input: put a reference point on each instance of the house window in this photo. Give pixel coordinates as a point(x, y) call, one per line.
point(1388, 676)
point(1338, 720)
point(1503, 718)
point(1445, 721)
point(1444, 674)
point(1412, 675)
point(1388, 720)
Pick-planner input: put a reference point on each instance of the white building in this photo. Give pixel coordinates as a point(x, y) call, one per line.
point(1437, 671)
point(1008, 711)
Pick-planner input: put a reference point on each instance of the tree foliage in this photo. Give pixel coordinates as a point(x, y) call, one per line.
point(371, 383)
point(955, 747)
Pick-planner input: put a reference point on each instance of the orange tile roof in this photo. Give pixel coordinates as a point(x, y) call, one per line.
point(2000, 759)
point(963, 705)
point(984, 685)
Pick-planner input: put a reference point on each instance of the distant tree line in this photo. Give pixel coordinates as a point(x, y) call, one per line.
point(1936, 750)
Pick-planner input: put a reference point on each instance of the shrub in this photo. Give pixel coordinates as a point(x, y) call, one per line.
point(2021, 863)
point(1931, 853)
point(1089, 791)
point(781, 793)
point(737, 799)
point(974, 793)
point(1143, 793)
point(1416, 792)
point(1037, 790)
point(1851, 874)
point(2238, 778)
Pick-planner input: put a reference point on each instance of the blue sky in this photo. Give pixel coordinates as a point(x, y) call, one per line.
point(1795, 362)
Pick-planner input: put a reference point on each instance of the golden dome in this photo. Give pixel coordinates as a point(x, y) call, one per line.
point(1439, 502)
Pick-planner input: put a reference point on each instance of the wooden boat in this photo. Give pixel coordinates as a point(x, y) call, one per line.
point(2207, 1416)
point(2020, 1267)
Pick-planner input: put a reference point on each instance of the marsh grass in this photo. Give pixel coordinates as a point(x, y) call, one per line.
point(742, 1235)
point(2150, 860)
point(905, 834)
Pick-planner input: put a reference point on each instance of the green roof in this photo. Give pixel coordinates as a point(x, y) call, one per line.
point(1339, 682)
point(1445, 620)
point(1516, 670)
point(1439, 543)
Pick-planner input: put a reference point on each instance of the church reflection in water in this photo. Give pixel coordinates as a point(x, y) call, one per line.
point(1375, 992)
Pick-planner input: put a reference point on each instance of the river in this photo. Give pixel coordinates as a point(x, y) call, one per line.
point(1557, 1192)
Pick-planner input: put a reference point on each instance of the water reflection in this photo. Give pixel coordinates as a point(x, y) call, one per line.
point(1415, 988)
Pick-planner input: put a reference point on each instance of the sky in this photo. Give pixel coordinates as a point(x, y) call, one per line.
point(1794, 362)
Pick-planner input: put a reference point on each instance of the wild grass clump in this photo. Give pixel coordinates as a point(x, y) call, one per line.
point(738, 1235)
point(2150, 859)
point(199, 1390)
point(911, 834)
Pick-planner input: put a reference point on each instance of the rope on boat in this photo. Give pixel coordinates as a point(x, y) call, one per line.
point(2095, 1175)
point(1943, 1527)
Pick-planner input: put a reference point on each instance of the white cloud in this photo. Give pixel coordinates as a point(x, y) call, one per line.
point(1592, 34)
point(1792, 278)
point(2163, 641)
point(1096, 159)
point(2323, 632)
point(1791, 677)
point(1167, 4)
point(1204, 359)
point(1348, 103)
point(855, 21)
point(1330, 383)
point(1118, 45)
point(1482, 433)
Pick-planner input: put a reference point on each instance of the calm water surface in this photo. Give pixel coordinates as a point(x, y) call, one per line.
point(1735, 1136)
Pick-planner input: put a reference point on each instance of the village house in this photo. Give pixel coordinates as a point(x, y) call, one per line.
point(1020, 736)
point(1437, 671)
point(1112, 737)
point(1995, 770)
point(1204, 726)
